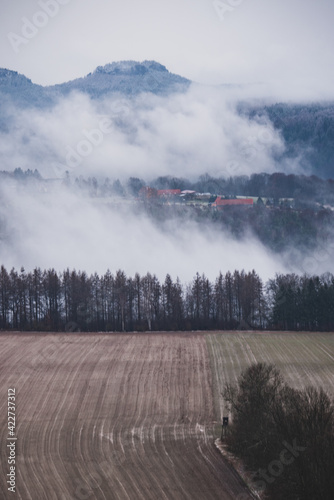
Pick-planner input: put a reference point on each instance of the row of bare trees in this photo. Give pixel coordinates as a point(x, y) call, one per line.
point(47, 300)
point(71, 300)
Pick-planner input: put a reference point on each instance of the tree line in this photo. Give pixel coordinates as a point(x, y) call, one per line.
point(284, 436)
point(48, 300)
point(305, 189)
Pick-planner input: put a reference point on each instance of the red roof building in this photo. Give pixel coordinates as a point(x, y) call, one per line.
point(222, 202)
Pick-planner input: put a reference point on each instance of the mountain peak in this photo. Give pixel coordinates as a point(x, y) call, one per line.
point(129, 78)
point(123, 77)
point(130, 68)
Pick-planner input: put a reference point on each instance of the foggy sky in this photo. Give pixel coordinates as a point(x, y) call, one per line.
point(287, 44)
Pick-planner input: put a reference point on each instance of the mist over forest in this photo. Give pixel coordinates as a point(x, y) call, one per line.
point(74, 158)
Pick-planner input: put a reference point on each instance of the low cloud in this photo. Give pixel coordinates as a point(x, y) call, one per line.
point(144, 136)
point(60, 229)
point(55, 227)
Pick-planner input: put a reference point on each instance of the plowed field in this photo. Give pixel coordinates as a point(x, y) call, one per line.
point(113, 417)
point(120, 416)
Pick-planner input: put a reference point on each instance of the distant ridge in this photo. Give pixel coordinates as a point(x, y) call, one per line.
point(307, 129)
point(125, 77)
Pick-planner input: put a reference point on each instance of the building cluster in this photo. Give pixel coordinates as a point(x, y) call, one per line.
point(176, 196)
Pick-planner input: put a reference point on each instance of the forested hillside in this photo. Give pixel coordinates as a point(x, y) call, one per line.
point(308, 132)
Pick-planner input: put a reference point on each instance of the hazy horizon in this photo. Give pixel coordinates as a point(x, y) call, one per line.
point(209, 42)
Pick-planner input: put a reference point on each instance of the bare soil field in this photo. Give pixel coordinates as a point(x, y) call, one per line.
point(135, 416)
point(113, 416)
